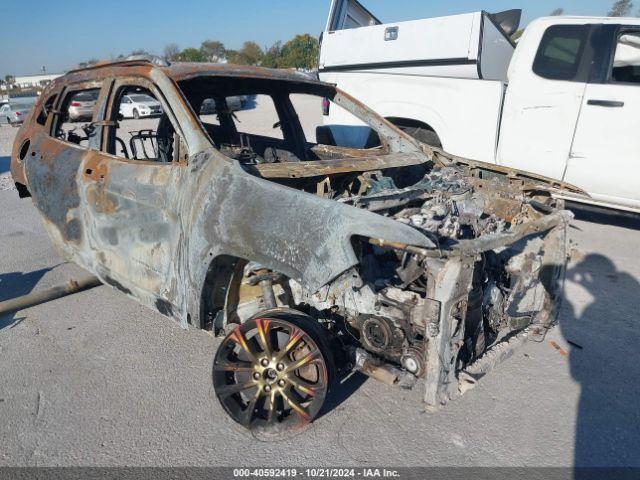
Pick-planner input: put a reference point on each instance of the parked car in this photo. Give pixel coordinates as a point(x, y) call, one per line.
point(81, 106)
point(14, 113)
point(234, 103)
point(562, 103)
point(399, 261)
point(140, 105)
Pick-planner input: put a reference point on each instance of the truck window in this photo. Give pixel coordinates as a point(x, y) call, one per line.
point(626, 62)
point(560, 51)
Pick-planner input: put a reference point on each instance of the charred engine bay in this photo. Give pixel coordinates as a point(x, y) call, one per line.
point(480, 287)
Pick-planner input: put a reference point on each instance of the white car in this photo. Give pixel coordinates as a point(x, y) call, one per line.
point(139, 105)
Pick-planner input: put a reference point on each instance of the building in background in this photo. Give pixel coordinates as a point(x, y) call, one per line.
point(32, 81)
point(29, 81)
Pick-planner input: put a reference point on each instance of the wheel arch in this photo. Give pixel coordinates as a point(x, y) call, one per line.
point(413, 113)
point(220, 285)
point(412, 123)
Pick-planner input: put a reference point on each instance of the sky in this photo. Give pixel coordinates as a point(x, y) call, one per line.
point(58, 34)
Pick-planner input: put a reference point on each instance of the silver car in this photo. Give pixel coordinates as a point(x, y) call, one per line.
point(14, 113)
point(81, 106)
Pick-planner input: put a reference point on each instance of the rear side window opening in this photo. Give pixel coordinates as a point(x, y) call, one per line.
point(73, 121)
point(47, 108)
point(560, 52)
point(142, 129)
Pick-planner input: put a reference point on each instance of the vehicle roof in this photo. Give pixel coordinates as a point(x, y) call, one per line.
point(183, 70)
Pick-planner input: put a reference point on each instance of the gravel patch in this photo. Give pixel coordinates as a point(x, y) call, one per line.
point(6, 182)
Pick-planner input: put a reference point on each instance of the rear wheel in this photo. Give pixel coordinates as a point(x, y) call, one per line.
point(273, 372)
point(423, 135)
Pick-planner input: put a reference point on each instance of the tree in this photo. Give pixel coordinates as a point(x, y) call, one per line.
point(191, 55)
point(273, 56)
point(557, 12)
point(10, 79)
point(249, 54)
point(233, 56)
point(300, 52)
point(620, 8)
point(171, 52)
point(213, 50)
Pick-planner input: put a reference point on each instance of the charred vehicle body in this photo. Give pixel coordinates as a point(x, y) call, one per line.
point(314, 259)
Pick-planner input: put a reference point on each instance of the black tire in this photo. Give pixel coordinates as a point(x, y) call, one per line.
point(136, 115)
point(243, 351)
point(423, 135)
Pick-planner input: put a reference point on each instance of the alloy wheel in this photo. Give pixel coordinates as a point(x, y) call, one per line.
point(271, 374)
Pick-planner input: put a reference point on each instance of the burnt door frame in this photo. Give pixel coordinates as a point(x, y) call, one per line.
point(133, 211)
point(52, 172)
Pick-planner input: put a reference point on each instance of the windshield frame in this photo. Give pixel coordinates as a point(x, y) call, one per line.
point(392, 140)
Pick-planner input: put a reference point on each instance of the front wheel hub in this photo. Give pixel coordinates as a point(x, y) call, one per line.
point(271, 373)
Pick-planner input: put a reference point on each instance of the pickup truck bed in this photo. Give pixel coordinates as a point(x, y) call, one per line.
point(471, 45)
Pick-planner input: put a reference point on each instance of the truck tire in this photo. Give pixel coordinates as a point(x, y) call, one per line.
point(423, 135)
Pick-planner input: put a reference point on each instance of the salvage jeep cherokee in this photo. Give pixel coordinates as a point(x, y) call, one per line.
point(397, 260)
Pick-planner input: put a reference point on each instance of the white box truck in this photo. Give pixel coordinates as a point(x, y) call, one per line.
point(564, 102)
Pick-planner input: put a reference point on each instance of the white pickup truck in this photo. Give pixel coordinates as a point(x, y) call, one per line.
point(564, 102)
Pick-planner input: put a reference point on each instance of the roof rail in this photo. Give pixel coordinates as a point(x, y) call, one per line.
point(156, 60)
point(130, 60)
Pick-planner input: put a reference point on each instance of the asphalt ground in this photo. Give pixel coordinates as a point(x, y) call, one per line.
point(97, 379)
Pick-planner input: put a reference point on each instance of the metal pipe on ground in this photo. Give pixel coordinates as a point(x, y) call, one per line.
point(53, 293)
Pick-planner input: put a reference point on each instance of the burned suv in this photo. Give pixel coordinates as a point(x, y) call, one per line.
point(316, 251)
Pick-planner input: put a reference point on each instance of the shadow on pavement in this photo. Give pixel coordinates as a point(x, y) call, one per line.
point(605, 216)
point(15, 284)
point(5, 164)
point(344, 388)
point(603, 356)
